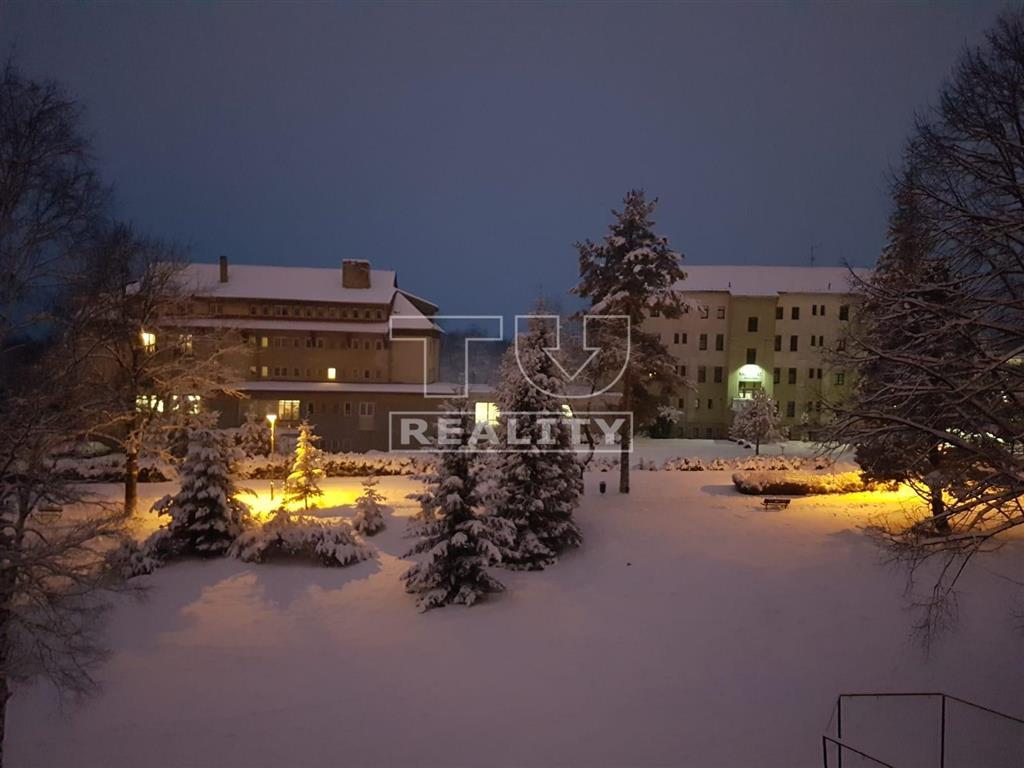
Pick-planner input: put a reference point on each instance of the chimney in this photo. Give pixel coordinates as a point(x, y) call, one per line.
point(355, 273)
point(223, 269)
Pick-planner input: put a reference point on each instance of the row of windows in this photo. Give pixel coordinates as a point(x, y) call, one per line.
point(316, 342)
point(718, 373)
point(292, 310)
point(817, 310)
point(291, 410)
point(328, 374)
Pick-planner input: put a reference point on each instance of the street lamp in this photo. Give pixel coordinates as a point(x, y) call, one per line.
point(272, 418)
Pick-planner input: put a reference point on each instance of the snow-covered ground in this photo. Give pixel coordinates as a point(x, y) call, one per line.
point(693, 629)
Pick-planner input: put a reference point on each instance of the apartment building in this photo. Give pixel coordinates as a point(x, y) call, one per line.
point(748, 328)
point(317, 344)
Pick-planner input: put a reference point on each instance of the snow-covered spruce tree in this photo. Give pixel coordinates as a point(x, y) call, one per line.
point(454, 532)
point(632, 272)
point(941, 339)
point(369, 517)
point(536, 490)
point(205, 515)
point(302, 483)
point(757, 421)
point(254, 435)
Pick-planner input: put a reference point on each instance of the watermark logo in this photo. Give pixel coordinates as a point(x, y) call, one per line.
point(586, 373)
point(533, 431)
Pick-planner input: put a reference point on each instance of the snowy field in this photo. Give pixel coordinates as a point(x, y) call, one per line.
point(693, 629)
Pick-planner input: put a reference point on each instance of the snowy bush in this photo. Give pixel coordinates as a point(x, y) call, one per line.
point(253, 436)
point(298, 537)
point(800, 483)
point(369, 518)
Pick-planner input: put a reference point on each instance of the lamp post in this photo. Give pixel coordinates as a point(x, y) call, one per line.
point(272, 418)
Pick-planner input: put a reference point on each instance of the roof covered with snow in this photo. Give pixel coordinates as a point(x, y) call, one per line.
point(745, 280)
point(248, 281)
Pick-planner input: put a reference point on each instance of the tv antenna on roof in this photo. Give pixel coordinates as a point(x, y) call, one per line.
point(815, 245)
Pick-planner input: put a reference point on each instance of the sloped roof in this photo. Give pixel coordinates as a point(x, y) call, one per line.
point(249, 281)
point(745, 280)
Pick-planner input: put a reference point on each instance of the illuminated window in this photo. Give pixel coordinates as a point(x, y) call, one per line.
point(288, 410)
point(332, 374)
point(486, 412)
point(185, 343)
point(149, 404)
point(149, 341)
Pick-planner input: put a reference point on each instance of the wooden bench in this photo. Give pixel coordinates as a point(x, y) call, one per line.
point(48, 513)
point(771, 503)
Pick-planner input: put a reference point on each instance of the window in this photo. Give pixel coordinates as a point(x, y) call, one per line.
point(486, 412)
point(751, 325)
point(185, 343)
point(320, 343)
point(379, 345)
point(675, 338)
point(702, 374)
point(777, 376)
point(813, 340)
point(332, 374)
point(810, 373)
point(844, 312)
point(264, 372)
point(682, 370)
point(719, 342)
point(718, 374)
point(367, 409)
point(684, 337)
point(347, 409)
point(778, 343)
point(821, 341)
point(795, 313)
point(703, 313)
point(821, 310)
point(711, 403)
point(791, 376)
point(794, 343)
point(655, 312)
point(814, 309)
point(779, 312)
point(149, 341)
point(840, 378)
point(264, 341)
point(790, 409)
point(366, 373)
point(751, 356)
point(288, 410)
point(703, 341)
point(841, 345)
point(819, 373)
point(720, 313)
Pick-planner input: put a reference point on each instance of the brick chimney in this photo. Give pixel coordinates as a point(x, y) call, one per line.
point(355, 273)
point(223, 269)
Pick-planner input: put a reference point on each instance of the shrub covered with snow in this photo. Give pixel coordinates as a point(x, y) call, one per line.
point(299, 537)
point(800, 483)
point(369, 517)
point(338, 465)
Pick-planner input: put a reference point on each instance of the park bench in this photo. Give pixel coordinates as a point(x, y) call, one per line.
point(48, 513)
point(770, 503)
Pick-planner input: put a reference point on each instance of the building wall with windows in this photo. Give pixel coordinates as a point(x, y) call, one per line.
point(339, 347)
point(749, 328)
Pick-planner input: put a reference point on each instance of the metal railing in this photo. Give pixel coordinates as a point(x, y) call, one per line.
point(837, 717)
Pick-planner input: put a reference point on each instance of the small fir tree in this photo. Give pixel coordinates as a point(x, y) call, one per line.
point(459, 539)
point(536, 491)
point(205, 515)
point(302, 483)
point(254, 435)
point(369, 518)
point(757, 422)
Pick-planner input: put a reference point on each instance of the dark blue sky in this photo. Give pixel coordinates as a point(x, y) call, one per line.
point(467, 146)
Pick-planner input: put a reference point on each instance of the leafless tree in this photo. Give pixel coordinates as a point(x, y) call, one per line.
point(940, 349)
point(155, 370)
point(54, 565)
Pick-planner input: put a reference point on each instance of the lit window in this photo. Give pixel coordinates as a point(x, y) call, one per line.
point(486, 412)
point(332, 374)
point(149, 341)
point(185, 343)
point(288, 410)
point(149, 404)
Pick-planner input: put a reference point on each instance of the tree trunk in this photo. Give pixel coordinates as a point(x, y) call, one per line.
point(5, 695)
point(627, 437)
point(757, 447)
point(131, 481)
point(938, 510)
